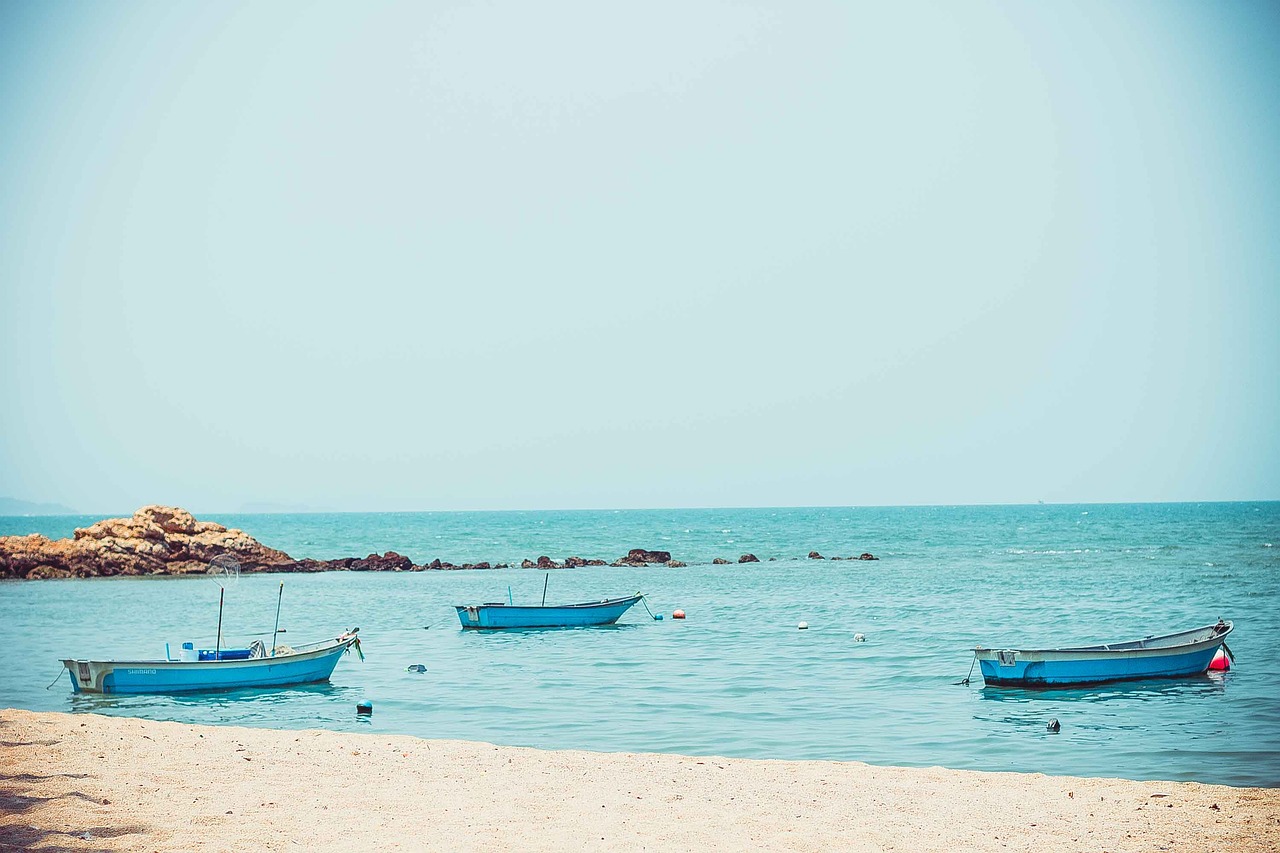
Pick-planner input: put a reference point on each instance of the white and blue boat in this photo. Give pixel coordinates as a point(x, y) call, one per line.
point(498, 615)
point(206, 670)
point(1168, 656)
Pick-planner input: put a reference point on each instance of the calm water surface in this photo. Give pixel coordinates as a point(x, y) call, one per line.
point(736, 678)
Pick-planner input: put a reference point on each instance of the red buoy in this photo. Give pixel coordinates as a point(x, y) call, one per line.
point(679, 614)
point(1220, 662)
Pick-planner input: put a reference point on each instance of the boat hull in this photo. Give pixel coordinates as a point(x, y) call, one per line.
point(1174, 655)
point(166, 676)
point(500, 616)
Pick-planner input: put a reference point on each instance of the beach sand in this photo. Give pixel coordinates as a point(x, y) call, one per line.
point(86, 782)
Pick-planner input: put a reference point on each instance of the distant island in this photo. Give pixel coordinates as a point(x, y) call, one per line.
point(13, 506)
point(168, 540)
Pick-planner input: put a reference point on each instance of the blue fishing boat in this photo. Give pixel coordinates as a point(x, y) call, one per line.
point(202, 670)
point(1168, 656)
point(498, 615)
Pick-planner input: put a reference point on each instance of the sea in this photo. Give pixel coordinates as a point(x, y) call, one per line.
point(877, 676)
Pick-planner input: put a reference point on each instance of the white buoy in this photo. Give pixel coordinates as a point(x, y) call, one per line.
point(803, 626)
point(859, 638)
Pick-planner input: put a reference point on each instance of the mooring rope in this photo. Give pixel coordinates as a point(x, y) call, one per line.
point(55, 681)
point(972, 664)
point(646, 606)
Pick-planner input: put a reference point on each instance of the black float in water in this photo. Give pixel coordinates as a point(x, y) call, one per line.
point(364, 708)
point(416, 667)
point(1054, 725)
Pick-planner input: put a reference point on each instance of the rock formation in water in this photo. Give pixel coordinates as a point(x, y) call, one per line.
point(156, 540)
point(641, 557)
point(163, 540)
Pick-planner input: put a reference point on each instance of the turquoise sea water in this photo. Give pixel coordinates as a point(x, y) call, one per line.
point(736, 678)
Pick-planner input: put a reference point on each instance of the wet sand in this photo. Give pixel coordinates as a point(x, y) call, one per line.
point(86, 782)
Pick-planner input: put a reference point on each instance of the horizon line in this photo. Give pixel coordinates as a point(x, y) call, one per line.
point(202, 513)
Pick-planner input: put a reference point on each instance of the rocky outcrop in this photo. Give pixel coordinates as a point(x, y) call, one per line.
point(641, 557)
point(155, 540)
point(164, 540)
point(576, 562)
point(388, 562)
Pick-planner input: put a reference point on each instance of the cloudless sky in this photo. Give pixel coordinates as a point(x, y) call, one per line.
point(483, 255)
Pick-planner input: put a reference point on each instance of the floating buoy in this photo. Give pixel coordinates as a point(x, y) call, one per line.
point(1054, 725)
point(679, 614)
point(859, 638)
point(364, 708)
point(1220, 662)
point(416, 667)
point(803, 626)
point(657, 617)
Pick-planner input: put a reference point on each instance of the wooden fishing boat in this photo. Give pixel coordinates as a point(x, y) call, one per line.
point(498, 615)
point(1168, 656)
point(202, 670)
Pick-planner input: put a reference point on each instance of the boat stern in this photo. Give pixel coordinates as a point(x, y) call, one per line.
point(86, 676)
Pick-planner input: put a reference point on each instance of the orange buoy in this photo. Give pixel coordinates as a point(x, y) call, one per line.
point(1220, 662)
point(679, 614)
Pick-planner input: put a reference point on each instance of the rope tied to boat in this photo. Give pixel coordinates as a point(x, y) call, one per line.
point(972, 664)
point(646, 607)
point(55, 680)
point(353, 635)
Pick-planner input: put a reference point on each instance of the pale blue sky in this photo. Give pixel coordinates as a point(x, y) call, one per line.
point(501, 255)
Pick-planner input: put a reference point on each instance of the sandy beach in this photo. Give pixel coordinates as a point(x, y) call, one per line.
point(85, 782)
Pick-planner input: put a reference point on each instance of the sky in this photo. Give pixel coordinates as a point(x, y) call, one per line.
point(480, 255)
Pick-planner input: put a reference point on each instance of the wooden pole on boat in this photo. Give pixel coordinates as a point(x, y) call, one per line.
point(276, 630)
point(544, 589)
point(217, 649)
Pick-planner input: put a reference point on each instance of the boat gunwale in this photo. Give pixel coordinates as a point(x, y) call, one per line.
point(586, 605)
point(324, 647)
point(1211, 634)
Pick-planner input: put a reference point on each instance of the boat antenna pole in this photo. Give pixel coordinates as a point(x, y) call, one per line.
point(544, 589)
point(217, 653)
point(276, 630)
